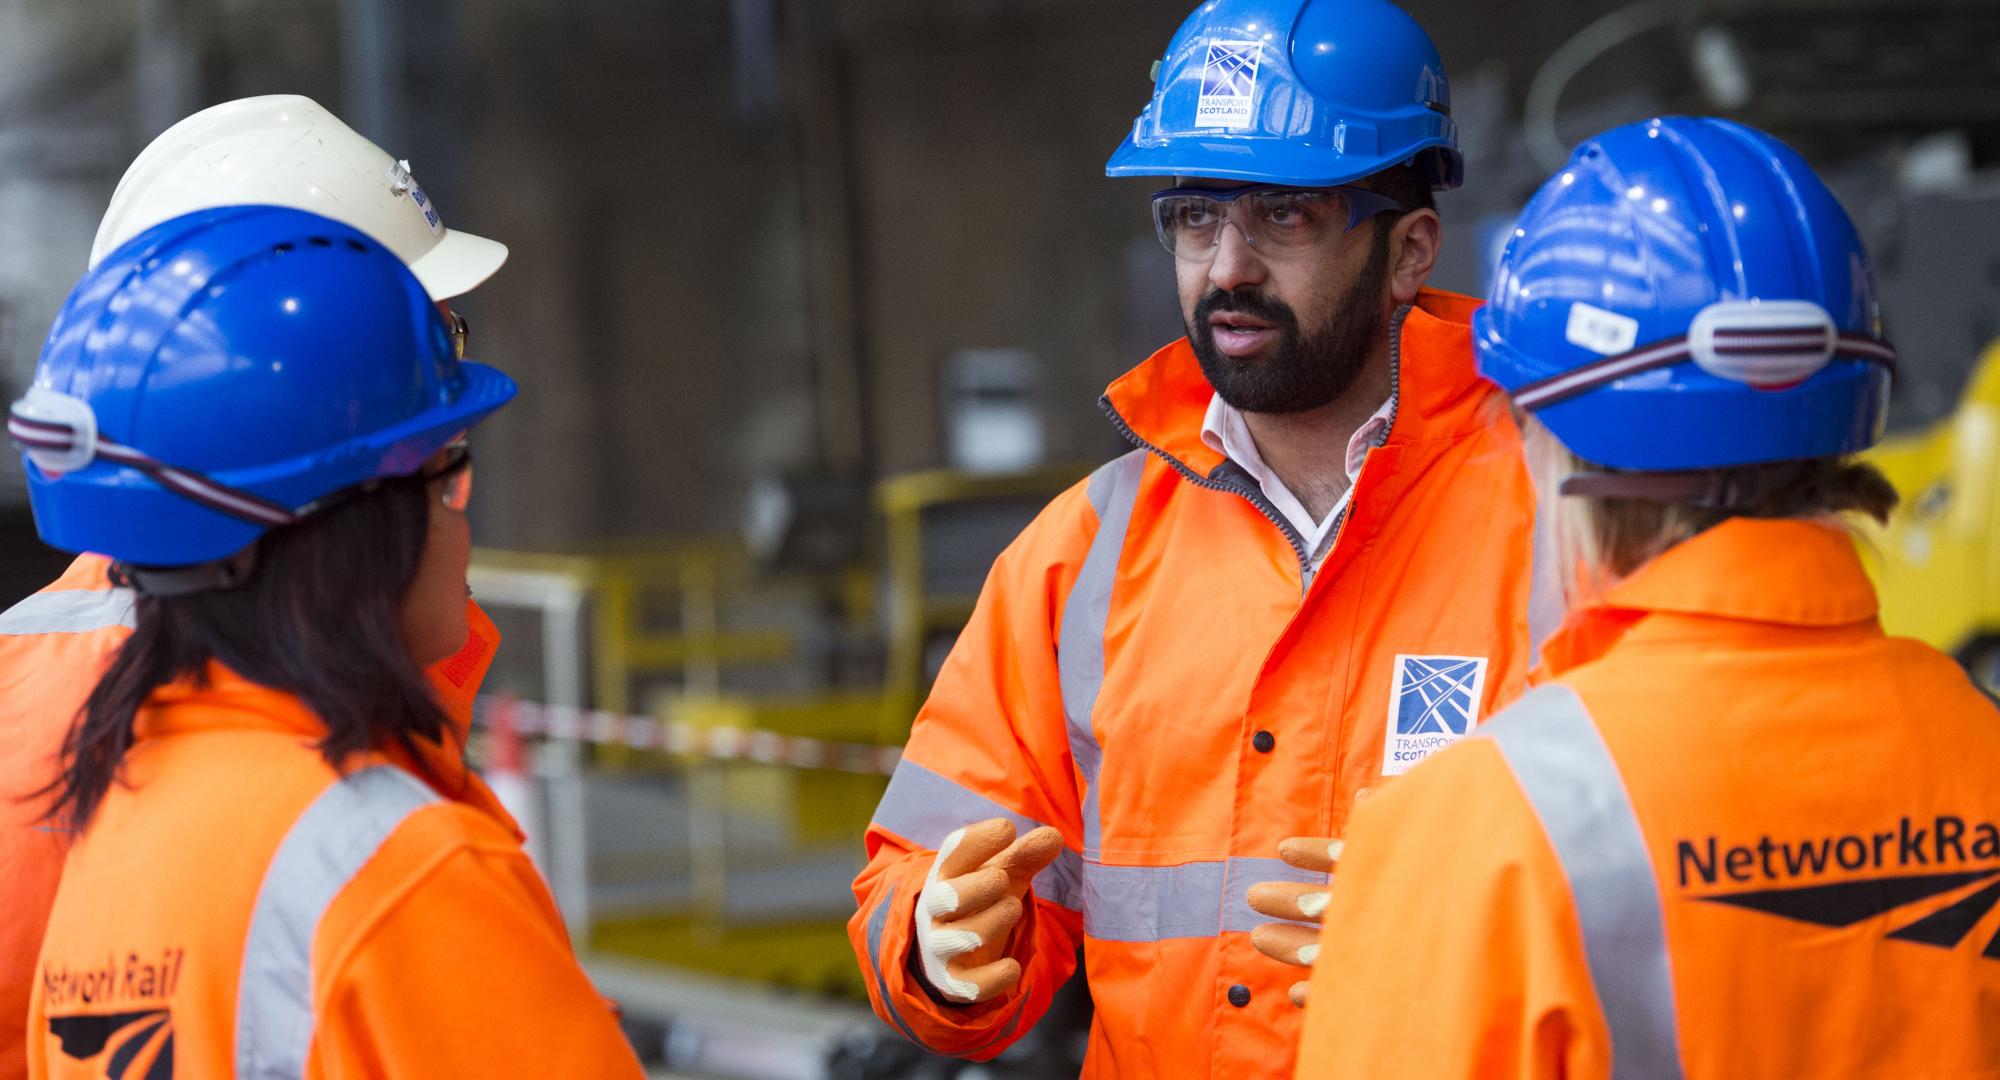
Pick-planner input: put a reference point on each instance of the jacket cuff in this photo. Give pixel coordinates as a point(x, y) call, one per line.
point(912, 1007)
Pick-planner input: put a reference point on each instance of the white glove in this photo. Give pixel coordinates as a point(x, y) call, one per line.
point(974, 894)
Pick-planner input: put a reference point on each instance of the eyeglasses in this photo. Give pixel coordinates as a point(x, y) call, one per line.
point(455, 473)
point(459, 331)
point(456, 476)
point(1275, 220)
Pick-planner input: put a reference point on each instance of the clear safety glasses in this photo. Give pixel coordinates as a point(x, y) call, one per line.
point(1277, 221)
point(455, 476)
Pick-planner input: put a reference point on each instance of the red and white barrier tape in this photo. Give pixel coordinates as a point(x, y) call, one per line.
point(673, 737)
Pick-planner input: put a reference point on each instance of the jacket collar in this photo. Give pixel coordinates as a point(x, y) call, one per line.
point(224, 700)
point(1787, 572)
point(1161, 403)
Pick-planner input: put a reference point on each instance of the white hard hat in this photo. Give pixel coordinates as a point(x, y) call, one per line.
point(286, 150)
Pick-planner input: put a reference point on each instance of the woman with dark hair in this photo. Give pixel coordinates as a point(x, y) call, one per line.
point(1737, 831)
point(280, 865)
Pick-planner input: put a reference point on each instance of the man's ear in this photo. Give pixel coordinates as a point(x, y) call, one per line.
point(1413, 251)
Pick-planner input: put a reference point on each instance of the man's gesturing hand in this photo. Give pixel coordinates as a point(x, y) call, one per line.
point(971, 901)
point(1298, 945)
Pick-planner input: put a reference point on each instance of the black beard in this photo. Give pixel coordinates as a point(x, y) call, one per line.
point(1306, 371)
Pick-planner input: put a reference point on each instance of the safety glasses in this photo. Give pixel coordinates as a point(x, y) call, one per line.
point(454, 475)
point(454, 478)
point(1277, 221)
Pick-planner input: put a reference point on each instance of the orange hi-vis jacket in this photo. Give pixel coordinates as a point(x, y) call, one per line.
point(1743, 834)
point(53, 646)
point(243, 909)
point(1150, 671)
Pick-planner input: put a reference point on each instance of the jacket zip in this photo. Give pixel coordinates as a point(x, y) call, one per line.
point(1395, 407)
point(1256, 497)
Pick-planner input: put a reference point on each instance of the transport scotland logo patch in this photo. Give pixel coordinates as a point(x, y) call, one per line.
point(1435, 702)
point(1229, 85)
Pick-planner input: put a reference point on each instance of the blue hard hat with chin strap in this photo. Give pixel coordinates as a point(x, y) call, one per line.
point(1312, 95)
point(1687, 295)
point(223, 374)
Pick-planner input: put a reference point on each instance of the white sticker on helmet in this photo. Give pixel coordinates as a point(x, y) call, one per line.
point(1229, 85)
point(1605, 333)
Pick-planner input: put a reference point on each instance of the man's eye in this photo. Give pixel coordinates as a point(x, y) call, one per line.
point(1194, 214)
point(1287, 213)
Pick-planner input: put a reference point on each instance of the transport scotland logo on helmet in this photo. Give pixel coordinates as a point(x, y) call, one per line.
point(1434, 703)
point(1229, 85)
point(403, 183)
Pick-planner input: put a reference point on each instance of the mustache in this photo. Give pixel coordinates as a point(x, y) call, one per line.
point(1244, 302)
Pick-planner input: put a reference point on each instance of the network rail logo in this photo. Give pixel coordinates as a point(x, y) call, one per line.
point(134, 1045)
point(1229, 85)
point(1435, 703)
point(1958, 881)
point(116, 1015)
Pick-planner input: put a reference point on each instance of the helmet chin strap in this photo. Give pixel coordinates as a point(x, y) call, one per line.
point(1713, 489)
point(185, 580)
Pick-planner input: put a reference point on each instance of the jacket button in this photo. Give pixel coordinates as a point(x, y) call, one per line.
point(1239, 995)
point(1263, 741)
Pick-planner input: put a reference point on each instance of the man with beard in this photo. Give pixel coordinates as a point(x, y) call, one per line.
point(1313, 570)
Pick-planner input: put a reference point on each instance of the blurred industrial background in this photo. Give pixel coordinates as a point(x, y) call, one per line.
point(811, 301)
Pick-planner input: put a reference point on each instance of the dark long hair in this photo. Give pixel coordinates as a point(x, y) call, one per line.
point(317, 618)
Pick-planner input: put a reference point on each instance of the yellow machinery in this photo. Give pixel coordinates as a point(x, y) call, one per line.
point(940, 533)
point(1937, 564)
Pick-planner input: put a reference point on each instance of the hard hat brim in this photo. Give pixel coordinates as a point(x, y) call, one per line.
point(458, 264)
point(1266, 161)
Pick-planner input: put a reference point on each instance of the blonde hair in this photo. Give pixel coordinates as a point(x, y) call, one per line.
point(1609, 537)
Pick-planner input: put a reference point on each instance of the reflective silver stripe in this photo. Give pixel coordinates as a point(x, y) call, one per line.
point(1120, 903)
point(877, 920)
point(1191, 900)
point(326, 846)
point(1080, 647)
point(1557, 755)
point(924, 807)
point(69, 611)
point(1152, 903)
point(1545, 593)
point(1243, 873)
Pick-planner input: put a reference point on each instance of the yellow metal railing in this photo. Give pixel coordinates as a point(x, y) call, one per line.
point(597, 605)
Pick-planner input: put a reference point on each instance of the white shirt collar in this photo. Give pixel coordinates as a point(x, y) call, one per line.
point(1225, 431)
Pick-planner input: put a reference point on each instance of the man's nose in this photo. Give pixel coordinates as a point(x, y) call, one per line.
point(1236, 264)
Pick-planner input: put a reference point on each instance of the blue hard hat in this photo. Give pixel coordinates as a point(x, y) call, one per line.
point(1313, 96)
point(1685, 294)
point(221, 372)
